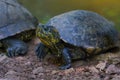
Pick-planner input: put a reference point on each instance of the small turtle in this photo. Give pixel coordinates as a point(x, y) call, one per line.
point(76, 34)
point(16, 24)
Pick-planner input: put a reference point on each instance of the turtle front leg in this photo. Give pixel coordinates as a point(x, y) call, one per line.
point(41, 51)
point(15, 47)
point(67, 59)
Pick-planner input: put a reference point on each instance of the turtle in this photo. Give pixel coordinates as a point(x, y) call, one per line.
point(17, 25)
point(76, 34)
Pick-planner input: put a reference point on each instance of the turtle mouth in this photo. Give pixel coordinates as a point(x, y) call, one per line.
point(41, 34)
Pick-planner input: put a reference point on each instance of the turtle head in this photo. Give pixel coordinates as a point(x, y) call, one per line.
point(47, 34)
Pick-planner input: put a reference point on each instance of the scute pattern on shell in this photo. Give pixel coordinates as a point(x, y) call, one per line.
point(84, 29)
point(14, 19)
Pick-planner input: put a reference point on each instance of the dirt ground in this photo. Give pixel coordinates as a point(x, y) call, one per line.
point(28, 67)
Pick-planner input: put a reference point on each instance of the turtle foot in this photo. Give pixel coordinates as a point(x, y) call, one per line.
point(65, 67)
point(40, 51)
point(15, 47)
point(16, 50)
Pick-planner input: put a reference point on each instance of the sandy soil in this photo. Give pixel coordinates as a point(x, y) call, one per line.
point(28, 67)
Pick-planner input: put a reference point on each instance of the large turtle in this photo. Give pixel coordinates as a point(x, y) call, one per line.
point(16, 24)
point(76, 34)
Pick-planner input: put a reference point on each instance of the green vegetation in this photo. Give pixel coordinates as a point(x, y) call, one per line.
point(41, 8)
point(45, 19)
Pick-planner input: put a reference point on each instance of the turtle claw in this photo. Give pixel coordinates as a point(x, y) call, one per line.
point(15, 47)
point(40, 51)
point(10, 53)
point(16, 50)
point(65, 67)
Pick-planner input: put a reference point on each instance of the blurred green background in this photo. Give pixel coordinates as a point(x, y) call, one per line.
point(44, 9)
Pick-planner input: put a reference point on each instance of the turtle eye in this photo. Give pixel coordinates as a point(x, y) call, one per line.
point(46, 28)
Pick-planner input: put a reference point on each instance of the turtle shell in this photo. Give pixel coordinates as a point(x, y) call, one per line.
point(14, 19)
point(85, 29)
